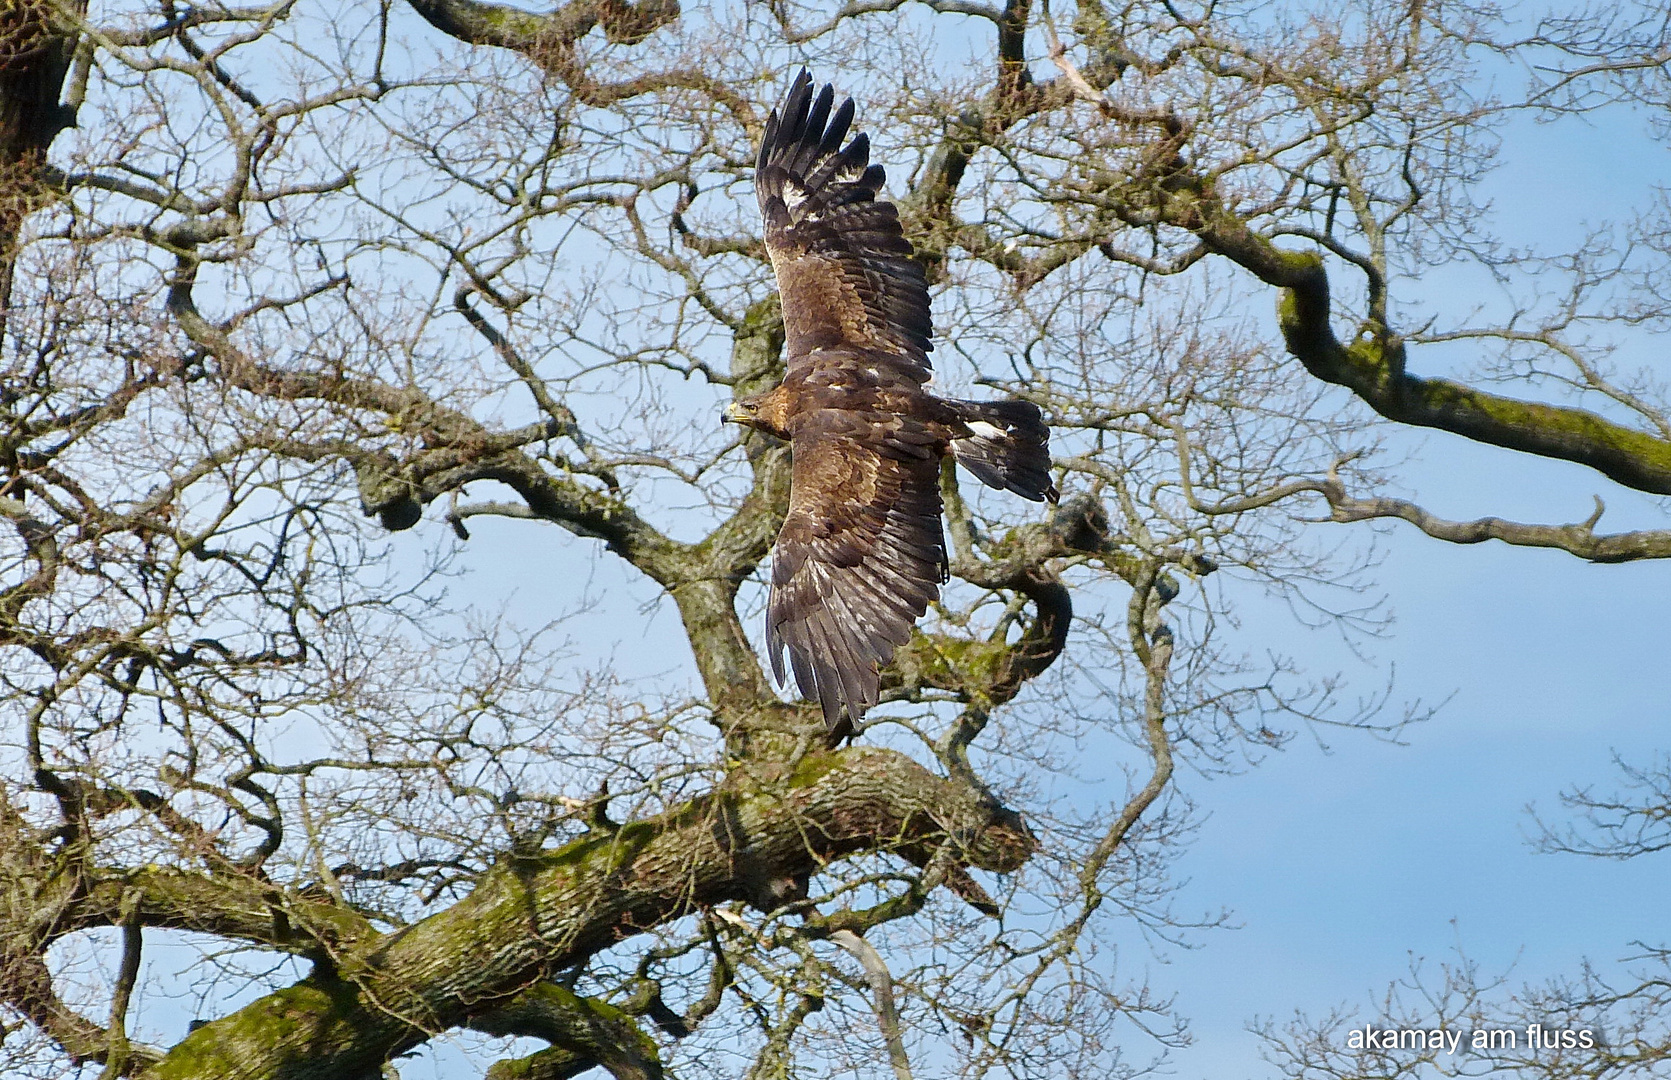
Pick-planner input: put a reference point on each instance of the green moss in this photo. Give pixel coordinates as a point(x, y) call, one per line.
point(1368, 359)
point(1441, 395)
point(581, 1028)
point(1288, 310)
point(554, 1061)
point(971, 666)
point(974, 662)
point(616, 847)
point(514, 1069)
point(812, 768)
point(1298, 262)
point(259, 1028)
point(554, 999)
point(509, 22)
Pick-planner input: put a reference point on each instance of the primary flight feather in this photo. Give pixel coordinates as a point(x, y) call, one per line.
point(861, 553)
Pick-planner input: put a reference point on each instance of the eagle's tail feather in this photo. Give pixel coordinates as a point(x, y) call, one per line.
point(1008, 447)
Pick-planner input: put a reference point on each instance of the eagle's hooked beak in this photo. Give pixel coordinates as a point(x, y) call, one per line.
point(734, 413)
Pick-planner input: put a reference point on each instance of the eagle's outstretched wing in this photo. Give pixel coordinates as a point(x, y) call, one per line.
point(860, 556)
point(844, 267)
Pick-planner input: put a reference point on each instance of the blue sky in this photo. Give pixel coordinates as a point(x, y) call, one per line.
point(1340, 866)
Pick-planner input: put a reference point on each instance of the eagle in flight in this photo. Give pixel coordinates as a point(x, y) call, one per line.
point(861, 553)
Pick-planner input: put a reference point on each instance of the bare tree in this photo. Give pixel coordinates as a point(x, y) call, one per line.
point(280, 280)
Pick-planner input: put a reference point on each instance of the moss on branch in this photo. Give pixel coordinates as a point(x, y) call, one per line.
point(1371, 366)
point(532, 915)
point(582, 1031)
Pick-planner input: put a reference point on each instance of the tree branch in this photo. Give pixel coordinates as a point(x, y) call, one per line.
point(1372, 365)
point(532, 915)
point(882, 985)
point(1579, 538)
point(584, 1032)
point(549, 40)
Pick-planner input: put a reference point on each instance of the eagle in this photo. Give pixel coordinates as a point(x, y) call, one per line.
point(861, 553)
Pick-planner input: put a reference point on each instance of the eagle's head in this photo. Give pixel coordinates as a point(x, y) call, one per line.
point(741, 411)
point(768, 412)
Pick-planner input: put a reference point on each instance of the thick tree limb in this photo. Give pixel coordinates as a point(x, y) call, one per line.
point(533, 915)
point(45, 895)
point(1372, 365)
point(990, 673)
point(1166, 190)
point(584, 1032)
point(26, 985)
point(480, 23)
point(549, 40)
point(37, 47)
point(37, 41)
point(552, 1063)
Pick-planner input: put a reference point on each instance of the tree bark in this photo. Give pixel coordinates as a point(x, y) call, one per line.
point(37, 49)
point(533, 915)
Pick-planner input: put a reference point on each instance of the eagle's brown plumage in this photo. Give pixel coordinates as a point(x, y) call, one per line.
point(861, 553)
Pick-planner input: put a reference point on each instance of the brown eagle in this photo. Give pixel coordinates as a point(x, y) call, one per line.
point(861, 552)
